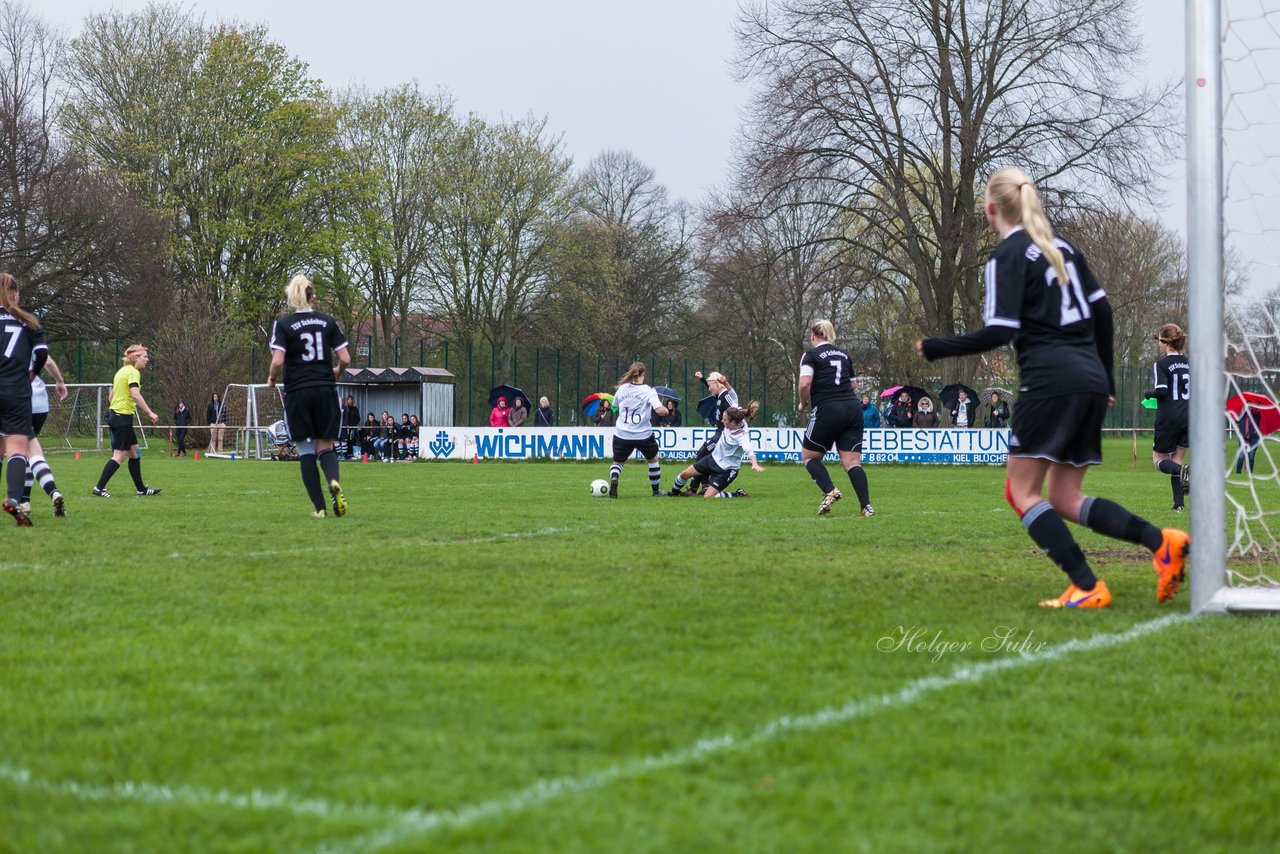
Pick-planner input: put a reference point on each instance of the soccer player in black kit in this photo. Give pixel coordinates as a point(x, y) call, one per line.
point(826, 382)
point(304, 343)
point(22, 356)
point(1041, 295)
point(1172, 391)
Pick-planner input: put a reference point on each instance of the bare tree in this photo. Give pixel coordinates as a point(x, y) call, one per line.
point(85, 252)
point(906, 105)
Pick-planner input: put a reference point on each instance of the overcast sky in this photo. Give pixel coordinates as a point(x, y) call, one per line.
point(649, 76)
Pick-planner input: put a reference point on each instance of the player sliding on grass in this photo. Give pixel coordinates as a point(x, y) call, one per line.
point(720, 467)
point(304, 343)
point(1041, 295)
point(718, 384)
point(636, 403)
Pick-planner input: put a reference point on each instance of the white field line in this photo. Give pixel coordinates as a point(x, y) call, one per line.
point(401, 826)
point(194, 796)
point(417, 823)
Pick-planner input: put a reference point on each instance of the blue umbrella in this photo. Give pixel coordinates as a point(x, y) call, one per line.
point(707, 408)
point(664, 391)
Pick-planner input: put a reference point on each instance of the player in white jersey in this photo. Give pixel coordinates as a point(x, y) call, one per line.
point(38, 466)
point(636, 404)
point(722, 464)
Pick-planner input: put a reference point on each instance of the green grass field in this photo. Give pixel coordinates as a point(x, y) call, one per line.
point(483, 657)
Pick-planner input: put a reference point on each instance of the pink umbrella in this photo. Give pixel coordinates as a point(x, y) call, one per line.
point(889, 391)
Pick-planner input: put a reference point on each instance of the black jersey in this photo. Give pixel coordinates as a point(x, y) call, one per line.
point(308, 340)
point(1173, 374)
point(832, 373)
point(22, 350)
point(1057, 351)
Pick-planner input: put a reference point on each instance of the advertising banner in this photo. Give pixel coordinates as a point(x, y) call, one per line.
point(880, 445)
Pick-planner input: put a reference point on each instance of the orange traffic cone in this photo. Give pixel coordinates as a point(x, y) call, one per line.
point(77, 455)
point(475, 458)
point(197, 456)
point(364, 458)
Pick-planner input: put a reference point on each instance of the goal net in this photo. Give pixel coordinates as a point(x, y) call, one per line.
point(252, 411)
point(78, 423)
point(1233, 247)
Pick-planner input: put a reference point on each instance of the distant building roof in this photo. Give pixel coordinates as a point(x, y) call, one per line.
point(370, 376)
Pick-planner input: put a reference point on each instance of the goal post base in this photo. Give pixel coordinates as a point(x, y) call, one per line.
point(1243, 600)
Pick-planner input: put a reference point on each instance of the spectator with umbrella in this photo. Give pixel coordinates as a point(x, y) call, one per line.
point(998, 399)
point(519, 413)
point(963, 403)
point(1255, 415)
point(903, 412)
point(671, 400)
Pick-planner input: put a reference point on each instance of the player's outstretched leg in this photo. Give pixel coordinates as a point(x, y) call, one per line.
point(1169, 547)
point(615, 472)
point(311, 482)
point(1048, 530)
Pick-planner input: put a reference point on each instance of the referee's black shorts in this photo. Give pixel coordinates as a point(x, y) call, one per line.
point(835, 422)
point(312, 413)
point(1066, 429)
point(122, 436)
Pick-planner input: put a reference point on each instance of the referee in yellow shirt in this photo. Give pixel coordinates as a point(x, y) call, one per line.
point(126, 397)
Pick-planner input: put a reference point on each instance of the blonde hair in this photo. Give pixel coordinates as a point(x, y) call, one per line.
point(738, 414)
point(1018, 201)
point(1172, 336)
point(824, 329)
point(133, 353)
point(9, 301)
point(634, 373)
point(299, 293)
point(717, 377)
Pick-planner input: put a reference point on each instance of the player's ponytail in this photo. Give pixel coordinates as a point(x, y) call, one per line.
point(299, 293)
point(1016, 197)
point(9, 301)
point(738, 414)
point(634, 374)
point(824, 329)
point(1172, 336)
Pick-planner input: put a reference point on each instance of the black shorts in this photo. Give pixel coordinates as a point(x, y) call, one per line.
point(1170, 437)
point(37, 421)
point(837, 422)
point(1066, 429)
point(122, 436)
point(312, 413)
point(15, 416)
point(715, 476)
point(624, 448)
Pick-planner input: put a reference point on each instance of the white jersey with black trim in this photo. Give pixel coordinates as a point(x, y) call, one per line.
point(732, 447)
point(39, 396)
point(635, 403)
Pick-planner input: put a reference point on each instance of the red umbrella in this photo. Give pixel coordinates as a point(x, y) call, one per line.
point(1266, 411)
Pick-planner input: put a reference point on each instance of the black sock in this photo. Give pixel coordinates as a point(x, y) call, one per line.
point(858, 478)
point(311, 479)
point(1176, 482)
point(135, 472)
point(655, 476)
point(328, 463)
point(16, 476)
point(1053, 537)
point(107, 471)
point(818, 472)
point(1112, 520)
point(1169, 467)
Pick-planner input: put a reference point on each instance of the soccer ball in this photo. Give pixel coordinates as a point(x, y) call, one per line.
point(599, 488)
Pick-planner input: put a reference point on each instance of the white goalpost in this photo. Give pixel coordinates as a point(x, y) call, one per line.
point(252, 409)
point(79, 422)
point(1231, 352)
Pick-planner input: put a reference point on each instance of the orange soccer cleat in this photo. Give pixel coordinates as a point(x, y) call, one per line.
point(1170, 562)
point(1074, 597)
